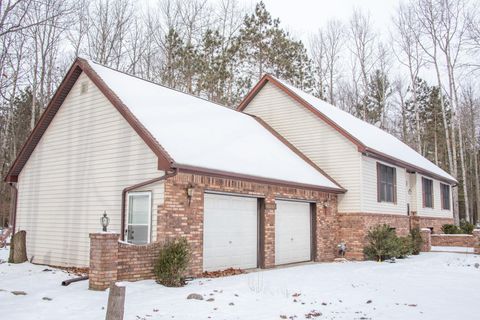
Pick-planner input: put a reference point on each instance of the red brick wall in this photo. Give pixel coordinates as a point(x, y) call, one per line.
point(179, 216)
point(427, 222)
point(353, 228)
point(327, 231)
point(453, 240)
point(136, 262)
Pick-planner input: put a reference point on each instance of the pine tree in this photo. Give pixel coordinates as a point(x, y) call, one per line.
point(267, 48)
point(376, 101)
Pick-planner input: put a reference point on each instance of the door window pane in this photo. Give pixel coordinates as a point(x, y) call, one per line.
point(139, 216)
point(139, 212)
point(138, 234)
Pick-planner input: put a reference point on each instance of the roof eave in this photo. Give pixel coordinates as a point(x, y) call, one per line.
point(360, 146)
point(81, 65)
point(381, 156)
point(245, 177)
point(296, 151)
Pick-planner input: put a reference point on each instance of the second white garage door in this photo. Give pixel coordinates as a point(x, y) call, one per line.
point(229, 232)
point(292, 232)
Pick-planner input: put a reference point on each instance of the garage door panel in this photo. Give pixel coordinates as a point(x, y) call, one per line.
point(230, 232)
point(292, 232)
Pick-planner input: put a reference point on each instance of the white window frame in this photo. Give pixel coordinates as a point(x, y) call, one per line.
point(149, 231)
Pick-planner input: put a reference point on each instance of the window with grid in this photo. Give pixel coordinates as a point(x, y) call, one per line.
point(386, 183)
point(427, 191)
point(445, 190)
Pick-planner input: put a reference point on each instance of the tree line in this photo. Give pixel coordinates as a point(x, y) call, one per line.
point(417, 81)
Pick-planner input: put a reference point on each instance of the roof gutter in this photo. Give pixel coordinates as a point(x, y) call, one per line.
point(255, 179)
point(136, 186)
point(13, 209)
point(380, 156)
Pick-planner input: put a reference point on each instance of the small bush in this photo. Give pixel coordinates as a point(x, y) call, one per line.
point(172, 263)
point(466, 227)
point(416, 240)
point(404, 247)
point(451, 229)
point(382, 244)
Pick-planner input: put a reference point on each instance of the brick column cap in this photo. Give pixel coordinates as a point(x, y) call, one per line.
point(105, 235)
point(426, 230)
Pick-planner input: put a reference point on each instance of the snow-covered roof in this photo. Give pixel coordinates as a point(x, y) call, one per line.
point(372, 137)
point(198, 133)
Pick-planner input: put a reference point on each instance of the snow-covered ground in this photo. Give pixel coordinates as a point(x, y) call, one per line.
point(429, 286)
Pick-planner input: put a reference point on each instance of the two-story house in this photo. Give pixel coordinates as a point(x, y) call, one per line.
point(387, 181)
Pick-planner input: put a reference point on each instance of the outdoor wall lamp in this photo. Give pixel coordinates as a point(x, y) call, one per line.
point(104, 221)
point(190, 190)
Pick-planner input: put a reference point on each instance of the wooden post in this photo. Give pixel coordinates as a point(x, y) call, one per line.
point(18, 247)
point(116, 302)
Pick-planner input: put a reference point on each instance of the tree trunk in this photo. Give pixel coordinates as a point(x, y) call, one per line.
point(18, 248)
point(116, 302)
point(464, 175)
point(477, 186)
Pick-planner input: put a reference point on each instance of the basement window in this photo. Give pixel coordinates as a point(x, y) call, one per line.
point(445, 193)
point(386, 183)
point(427, 193)
point(139, 217)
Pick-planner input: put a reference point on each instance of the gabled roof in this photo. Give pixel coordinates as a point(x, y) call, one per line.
point(368, 138)
point(188, 133)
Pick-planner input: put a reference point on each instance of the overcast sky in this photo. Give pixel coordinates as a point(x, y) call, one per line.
point(304, 17)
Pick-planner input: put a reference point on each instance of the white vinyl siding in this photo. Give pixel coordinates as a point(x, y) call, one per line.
point(412, 191)
point(370, 202)
point(78, 170)
point(325, 146)
point(437, 210)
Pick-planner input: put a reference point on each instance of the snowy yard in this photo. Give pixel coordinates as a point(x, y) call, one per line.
point(429, 286)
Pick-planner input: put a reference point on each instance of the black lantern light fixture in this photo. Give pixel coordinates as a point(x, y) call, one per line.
point(104, 221)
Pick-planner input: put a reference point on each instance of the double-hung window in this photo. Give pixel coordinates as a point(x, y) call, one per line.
point(386, 183)
point(139, 217)
point(427, 193)
point(445, 192)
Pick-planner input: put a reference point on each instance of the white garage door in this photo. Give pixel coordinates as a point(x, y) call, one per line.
point(292, 232)
point(229, 232)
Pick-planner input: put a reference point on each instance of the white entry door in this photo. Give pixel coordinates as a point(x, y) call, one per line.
point(139, 217)
point(293, 235)
point(230, 230)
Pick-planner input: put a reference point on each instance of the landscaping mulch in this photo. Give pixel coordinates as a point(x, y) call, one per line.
point(222, 273)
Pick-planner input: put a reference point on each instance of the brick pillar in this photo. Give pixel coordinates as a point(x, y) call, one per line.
point(269, 232)
point(326, 227)
point(476, 236)
point(427, 239)
point(103, 260)
point(414, 220)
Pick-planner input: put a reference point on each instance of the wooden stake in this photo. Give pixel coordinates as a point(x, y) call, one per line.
point(116, 302)
point(18, 247)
